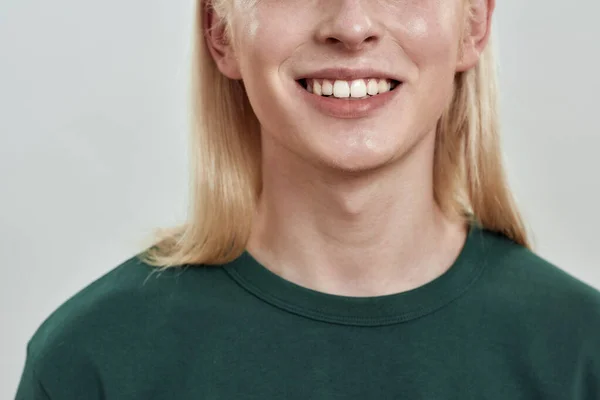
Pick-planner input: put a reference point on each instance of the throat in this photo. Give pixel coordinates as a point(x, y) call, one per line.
point(383, 258)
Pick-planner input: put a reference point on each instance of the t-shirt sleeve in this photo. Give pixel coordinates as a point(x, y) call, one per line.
point(58, 372)
point(30, 387)
point(590, 367)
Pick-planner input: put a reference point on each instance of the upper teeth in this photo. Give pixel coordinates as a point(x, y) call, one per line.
point(358, 88)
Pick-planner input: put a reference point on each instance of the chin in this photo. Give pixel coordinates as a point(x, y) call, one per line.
point(358, 161)
point(355, 147)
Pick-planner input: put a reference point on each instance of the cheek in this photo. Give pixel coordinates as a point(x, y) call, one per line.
point(429, 35)
point(427, 30)
point(269, 35)
point(261, 50)
point(275, 27)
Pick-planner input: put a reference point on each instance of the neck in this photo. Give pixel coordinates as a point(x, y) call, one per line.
point(363, 234)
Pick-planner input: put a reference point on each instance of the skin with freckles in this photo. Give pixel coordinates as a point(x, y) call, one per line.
point(347, 205)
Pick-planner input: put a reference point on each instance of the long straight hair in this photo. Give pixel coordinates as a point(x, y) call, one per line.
point(225, 161)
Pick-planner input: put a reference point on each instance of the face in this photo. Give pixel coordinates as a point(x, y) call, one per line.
point(348, 84)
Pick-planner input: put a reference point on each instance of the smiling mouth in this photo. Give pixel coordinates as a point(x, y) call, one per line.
point(357, 89)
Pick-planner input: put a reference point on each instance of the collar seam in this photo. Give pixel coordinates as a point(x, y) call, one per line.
point(347, 320)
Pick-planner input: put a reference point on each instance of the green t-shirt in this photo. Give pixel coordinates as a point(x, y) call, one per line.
point(501, 324)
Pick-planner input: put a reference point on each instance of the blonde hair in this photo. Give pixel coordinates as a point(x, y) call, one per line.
point(225, 179)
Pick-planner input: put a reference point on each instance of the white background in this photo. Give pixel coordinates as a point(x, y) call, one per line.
point(93, 125)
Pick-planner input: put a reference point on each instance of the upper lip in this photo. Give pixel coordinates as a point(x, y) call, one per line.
point(348, 74)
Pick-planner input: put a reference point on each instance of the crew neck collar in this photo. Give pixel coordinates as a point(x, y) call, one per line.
point(363, 311)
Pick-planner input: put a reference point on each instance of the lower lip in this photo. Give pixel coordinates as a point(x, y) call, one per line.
point(348, 108)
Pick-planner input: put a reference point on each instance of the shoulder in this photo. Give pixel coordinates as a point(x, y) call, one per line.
point(125, 309)
point(509, 262)
point(527, 282)
point(131, 291)
point(537, 313)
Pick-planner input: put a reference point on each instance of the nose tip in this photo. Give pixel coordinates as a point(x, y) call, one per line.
point(350, 26)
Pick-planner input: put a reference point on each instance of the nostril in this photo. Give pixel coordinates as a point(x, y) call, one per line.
point(332, 40)
point(354, 42)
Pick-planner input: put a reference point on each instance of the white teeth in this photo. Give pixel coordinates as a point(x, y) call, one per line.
point(341, 89)
point(327, 88)
point(384, 86)
point(358, 88)
point(372, 87)
point(317, 88)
